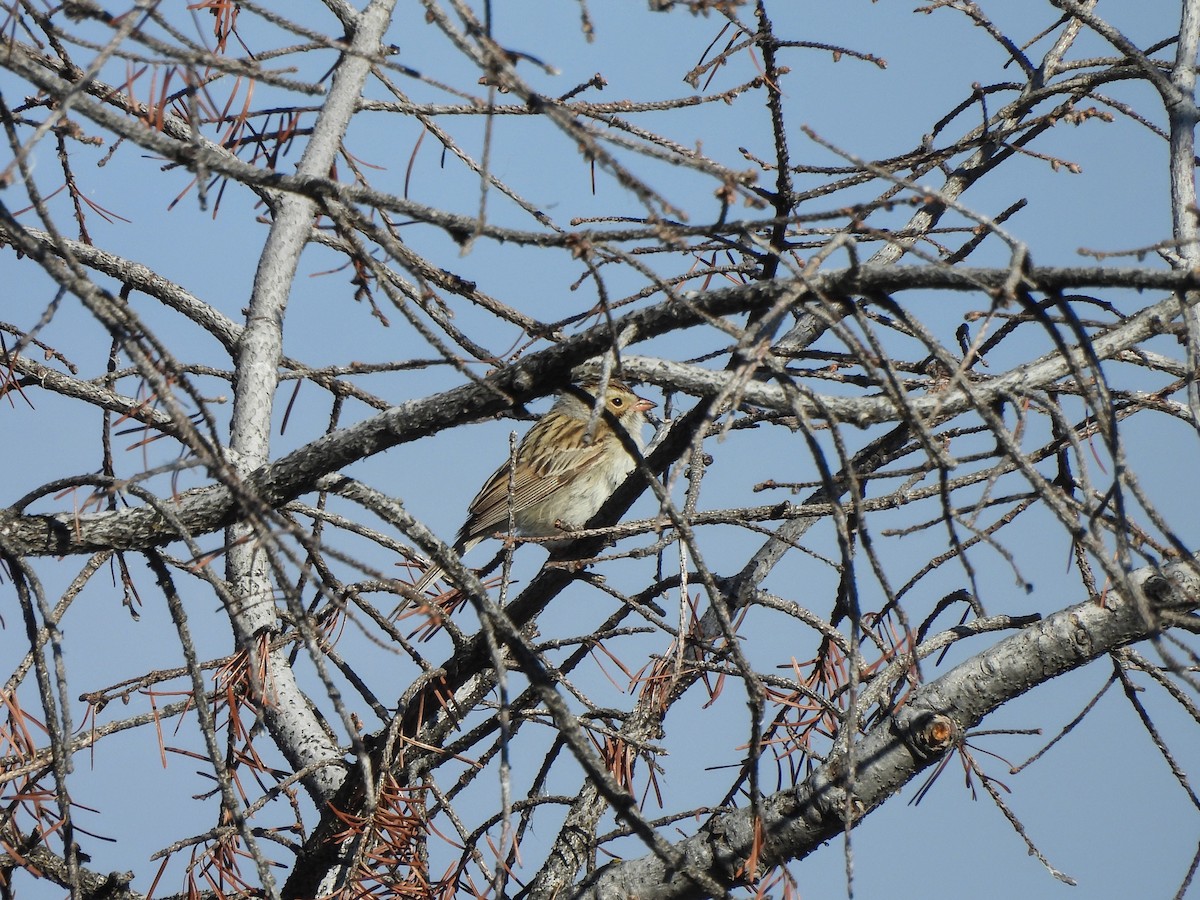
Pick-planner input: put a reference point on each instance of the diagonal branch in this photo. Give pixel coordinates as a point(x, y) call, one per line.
point(797, 821)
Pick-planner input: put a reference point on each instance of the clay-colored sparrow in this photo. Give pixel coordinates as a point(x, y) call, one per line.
point(563, 475)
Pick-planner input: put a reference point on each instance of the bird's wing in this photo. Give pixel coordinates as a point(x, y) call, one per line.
point(530, 485)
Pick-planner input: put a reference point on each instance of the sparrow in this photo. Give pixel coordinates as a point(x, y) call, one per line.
point(560, 475)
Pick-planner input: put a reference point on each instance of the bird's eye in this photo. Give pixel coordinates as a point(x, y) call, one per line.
point(618, 402)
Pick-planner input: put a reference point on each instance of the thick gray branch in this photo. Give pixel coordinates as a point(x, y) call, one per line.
point(797, 821)
point(296, 729)
point(205, 510)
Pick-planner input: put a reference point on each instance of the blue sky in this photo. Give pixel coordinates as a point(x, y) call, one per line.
point(1102, 805)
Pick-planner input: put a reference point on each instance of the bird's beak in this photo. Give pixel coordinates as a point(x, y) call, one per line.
point(643, 404)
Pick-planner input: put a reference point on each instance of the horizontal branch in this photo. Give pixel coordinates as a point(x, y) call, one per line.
point(204, 510)
point(797, 821)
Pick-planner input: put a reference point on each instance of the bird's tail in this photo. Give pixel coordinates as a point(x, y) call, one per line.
point(427, 578)
point(433, 572)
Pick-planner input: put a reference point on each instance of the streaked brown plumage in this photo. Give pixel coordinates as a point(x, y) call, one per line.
point(561, 476)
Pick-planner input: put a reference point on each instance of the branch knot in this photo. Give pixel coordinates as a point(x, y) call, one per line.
point(925, 733)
